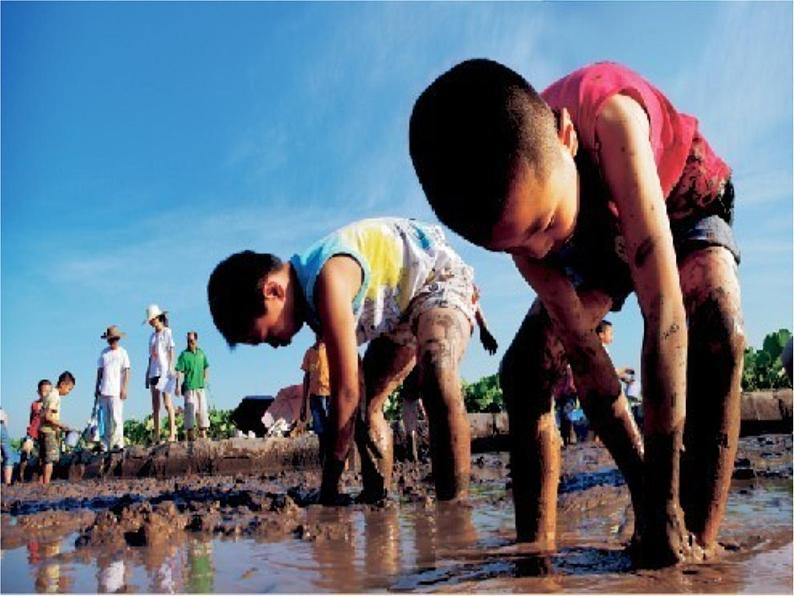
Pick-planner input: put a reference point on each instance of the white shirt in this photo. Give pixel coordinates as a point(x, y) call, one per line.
point(112, 362)
point(160, 343)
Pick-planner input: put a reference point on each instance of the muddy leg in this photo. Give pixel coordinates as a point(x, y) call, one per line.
point(386, 364)
point(528, 372)
point(714, 370)
point(610, 417)
point(443, 334)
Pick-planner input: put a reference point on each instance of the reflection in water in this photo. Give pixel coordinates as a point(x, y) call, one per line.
point(382, 543)
point(110, 575)
point(200, 567)
point(335, 558)
point(48, 575)
point(410, 547)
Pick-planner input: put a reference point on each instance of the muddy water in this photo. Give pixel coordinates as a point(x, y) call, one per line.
point(263, 535)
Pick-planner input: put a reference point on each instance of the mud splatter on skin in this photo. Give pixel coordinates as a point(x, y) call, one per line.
point(386, 365)
point(531, 365)
point(644, 250)
point(713, 412)
point(673, 329)
point(442, 341)
point(663, 534)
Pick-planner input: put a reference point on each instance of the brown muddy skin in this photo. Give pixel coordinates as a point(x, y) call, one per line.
point(386, 365)
point(442, 335)
point(534, 362)
point(715, 358)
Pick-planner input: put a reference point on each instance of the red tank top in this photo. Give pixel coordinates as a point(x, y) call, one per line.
point(691, 174)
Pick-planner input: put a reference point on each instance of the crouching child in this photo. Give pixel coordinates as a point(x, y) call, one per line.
point(394, 284)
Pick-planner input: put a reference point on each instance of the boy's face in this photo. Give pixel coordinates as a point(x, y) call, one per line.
point(540, 212)
point(65, 388)
point(45, 390)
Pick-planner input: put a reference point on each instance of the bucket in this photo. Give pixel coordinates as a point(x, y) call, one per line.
point(72, 437)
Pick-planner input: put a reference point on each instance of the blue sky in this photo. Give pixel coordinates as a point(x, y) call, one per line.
point(144, 142)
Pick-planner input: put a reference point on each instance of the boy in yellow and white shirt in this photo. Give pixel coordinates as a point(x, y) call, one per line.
point(393, 283)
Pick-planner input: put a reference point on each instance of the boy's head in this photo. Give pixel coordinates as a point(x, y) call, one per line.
point(605, 332)
point(66, 383)
point(495, 162)
point(192, 340)
point(252, 300)
point(44, 387)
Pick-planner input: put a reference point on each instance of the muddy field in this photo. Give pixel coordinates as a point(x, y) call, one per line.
point(263, 533)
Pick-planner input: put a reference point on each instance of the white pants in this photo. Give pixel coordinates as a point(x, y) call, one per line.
point(112, 411)
point(196, 409)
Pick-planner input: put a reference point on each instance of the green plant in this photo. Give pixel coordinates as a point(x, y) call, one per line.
point(484, 395)
point(763, 368)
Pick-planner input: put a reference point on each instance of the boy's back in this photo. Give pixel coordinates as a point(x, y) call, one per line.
point(399, 259)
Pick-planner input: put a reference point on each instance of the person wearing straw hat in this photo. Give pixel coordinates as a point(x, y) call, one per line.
point(160, 369)
point(112, 379)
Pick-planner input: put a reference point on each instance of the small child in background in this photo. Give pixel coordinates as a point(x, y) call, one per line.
point(51, 426)
point(317, 392)
point(393, 283)
point(34, 422)
point(598, 187)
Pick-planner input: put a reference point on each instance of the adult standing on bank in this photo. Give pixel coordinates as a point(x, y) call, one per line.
point(193, 368)
point(112, 379)
point(161, 367)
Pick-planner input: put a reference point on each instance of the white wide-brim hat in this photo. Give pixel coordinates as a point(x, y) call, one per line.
point(153, 311)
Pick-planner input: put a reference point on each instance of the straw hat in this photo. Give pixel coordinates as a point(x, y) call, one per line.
point(113, 332)
point(153, 311)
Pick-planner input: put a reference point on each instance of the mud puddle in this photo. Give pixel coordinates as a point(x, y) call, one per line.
point(263, 534)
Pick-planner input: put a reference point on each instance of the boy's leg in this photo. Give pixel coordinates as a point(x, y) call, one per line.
point(443, 334)
point(386, 364)
point(155, 414)
point(530, 367)
point(714, 370)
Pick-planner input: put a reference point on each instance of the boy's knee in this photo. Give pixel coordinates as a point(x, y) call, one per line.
point(716, 325)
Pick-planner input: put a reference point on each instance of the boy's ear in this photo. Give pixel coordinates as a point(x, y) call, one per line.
point(273, 289)
point(567, 132)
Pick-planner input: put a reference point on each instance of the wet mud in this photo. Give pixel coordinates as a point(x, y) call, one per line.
point(266, 532)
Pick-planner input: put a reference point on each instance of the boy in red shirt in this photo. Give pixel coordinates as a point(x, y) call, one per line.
point(598, 187)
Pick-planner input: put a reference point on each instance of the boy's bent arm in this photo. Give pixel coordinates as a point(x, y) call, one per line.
point(627, 158)
point(337, 284)
point(574, 323)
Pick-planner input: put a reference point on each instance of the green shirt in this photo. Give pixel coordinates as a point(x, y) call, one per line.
point(192, 365)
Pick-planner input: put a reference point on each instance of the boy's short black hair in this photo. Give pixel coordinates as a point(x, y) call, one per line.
point(66, 377)
point(234, 292)
point(44, 382)
point(467, 132)
point(601, 327)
